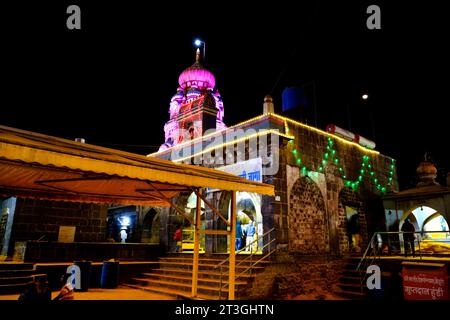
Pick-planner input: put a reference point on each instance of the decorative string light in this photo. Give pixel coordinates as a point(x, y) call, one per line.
point(330, 157)
point(255, 135)
point(273, 115)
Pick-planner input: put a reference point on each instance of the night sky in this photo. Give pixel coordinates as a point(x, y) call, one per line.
point(111, 82)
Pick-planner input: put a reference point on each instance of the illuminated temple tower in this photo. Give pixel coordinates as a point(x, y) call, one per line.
point(195, 108)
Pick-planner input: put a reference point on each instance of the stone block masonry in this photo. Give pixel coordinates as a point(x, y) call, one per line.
point(34, 219)
point(291, 275)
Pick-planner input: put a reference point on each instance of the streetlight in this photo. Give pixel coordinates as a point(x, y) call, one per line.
point(365, 98)
point(198, 43)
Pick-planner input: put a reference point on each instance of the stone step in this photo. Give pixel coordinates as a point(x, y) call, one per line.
point(357, 287)
point(208, 266)
point(173, 285)
point(18, 284)
point(354, 258)
point(12, 288)
point(346, 279)
point(174, 292)
point(174, 276)
point(351, 294)
point(188, 279)
point(16, 266)
point(216, 256)
point(16, 273)
point(15, 280)
point(353, 272)
point(168, 282)
point(204, 274)
point(243, 261)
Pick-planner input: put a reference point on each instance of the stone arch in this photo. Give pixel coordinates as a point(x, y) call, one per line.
point(308, 231)
point(348, 198)
point(433, 216)
point(420, 222)
point(151, 226)
point(249, 204)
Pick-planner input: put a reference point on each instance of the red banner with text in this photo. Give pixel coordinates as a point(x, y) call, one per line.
point(425, 282)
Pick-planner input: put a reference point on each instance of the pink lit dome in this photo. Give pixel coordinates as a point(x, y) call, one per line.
point(197, 76)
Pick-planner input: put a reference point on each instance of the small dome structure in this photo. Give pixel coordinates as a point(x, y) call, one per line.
point(427, 173)
point(197, 75)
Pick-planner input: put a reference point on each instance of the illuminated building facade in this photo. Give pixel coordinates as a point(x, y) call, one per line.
point(323, 180)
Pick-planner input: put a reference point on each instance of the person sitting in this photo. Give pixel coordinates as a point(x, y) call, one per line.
point(36, 291)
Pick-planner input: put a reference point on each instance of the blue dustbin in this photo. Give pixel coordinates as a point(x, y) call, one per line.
point(110, 274)
point(85, 269)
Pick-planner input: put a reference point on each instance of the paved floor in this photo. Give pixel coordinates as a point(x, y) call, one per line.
point(121, 293)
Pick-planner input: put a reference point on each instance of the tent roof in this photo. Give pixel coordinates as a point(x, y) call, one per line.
point(44, 167)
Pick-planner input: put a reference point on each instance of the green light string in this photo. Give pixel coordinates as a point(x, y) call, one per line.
point(366, 172)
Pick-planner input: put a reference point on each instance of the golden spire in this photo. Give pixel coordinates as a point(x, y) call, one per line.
point(197, 55)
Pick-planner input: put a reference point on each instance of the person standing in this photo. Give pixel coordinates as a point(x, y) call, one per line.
point(408, 237)
point(238, 242)
point(251, 230)
point(123, 235)
point(178, 235)
point(353, 229)
point(255, 240)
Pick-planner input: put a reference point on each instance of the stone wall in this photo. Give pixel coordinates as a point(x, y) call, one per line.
point(308, 229)
point(317, 218)
point(290, 275)
point(279, 205)
point(34, 219)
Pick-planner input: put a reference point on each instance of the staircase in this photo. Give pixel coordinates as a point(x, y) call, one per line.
point(14, 276)
point(174, 277)
point(352, 283)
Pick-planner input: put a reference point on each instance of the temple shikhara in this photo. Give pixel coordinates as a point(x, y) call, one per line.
point(195, 108)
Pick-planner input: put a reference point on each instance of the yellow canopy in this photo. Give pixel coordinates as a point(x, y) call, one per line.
point(38, 166)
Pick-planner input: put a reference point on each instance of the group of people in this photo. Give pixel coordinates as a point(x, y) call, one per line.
point(246, 236)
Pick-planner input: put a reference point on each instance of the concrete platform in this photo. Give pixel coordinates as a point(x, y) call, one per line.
point(121, 293)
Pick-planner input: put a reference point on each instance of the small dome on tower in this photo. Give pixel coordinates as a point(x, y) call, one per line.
point(426, 168)
point(427, 173)
point(197, 75)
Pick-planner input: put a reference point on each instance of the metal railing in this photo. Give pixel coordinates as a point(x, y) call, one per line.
point(393, 244)
point(267, 249)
